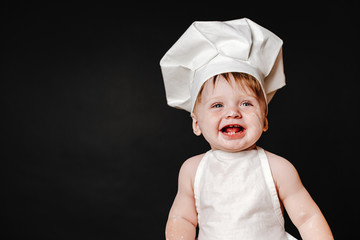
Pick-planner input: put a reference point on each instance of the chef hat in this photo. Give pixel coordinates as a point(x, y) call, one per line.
point(210, 48)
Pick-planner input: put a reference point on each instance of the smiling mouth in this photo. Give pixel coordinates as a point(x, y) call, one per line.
point(232, 129)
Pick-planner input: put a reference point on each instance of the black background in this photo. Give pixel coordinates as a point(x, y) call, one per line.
point(90, 148)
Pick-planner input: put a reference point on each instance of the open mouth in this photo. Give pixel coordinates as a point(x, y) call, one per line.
point(232, 129)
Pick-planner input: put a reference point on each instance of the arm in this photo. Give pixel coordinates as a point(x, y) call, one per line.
point(301, 208)
point(182, 219)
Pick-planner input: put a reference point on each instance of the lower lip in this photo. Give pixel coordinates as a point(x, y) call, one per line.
point(235, 135)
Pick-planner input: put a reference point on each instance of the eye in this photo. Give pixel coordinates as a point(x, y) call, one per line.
point(246, 104)
point(216, 105)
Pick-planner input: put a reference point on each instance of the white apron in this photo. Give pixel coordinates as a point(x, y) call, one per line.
point(236, 197)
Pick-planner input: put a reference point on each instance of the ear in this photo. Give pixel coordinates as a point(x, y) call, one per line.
point(195, 125)
point(266, 125)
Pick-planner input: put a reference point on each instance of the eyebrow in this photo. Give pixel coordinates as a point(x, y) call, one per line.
point(220, 98)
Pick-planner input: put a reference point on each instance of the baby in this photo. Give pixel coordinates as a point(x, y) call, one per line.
point(225, 74)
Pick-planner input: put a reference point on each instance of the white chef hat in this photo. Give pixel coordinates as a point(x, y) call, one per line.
point(210, 48)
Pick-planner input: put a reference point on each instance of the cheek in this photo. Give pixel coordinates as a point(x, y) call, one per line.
point(207, 125)
point(257, 119)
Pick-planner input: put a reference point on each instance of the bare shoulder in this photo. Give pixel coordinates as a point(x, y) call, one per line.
point(190, 166)
point(278, 163)
point(284, 173)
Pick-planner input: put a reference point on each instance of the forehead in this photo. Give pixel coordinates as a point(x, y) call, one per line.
point(225, 86)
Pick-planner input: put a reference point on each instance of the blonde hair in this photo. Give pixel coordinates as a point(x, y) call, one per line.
point(243, 79)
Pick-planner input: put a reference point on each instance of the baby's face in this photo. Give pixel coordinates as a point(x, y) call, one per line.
point(230, 118)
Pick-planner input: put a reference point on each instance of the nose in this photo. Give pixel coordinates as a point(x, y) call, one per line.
point(233, 113)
